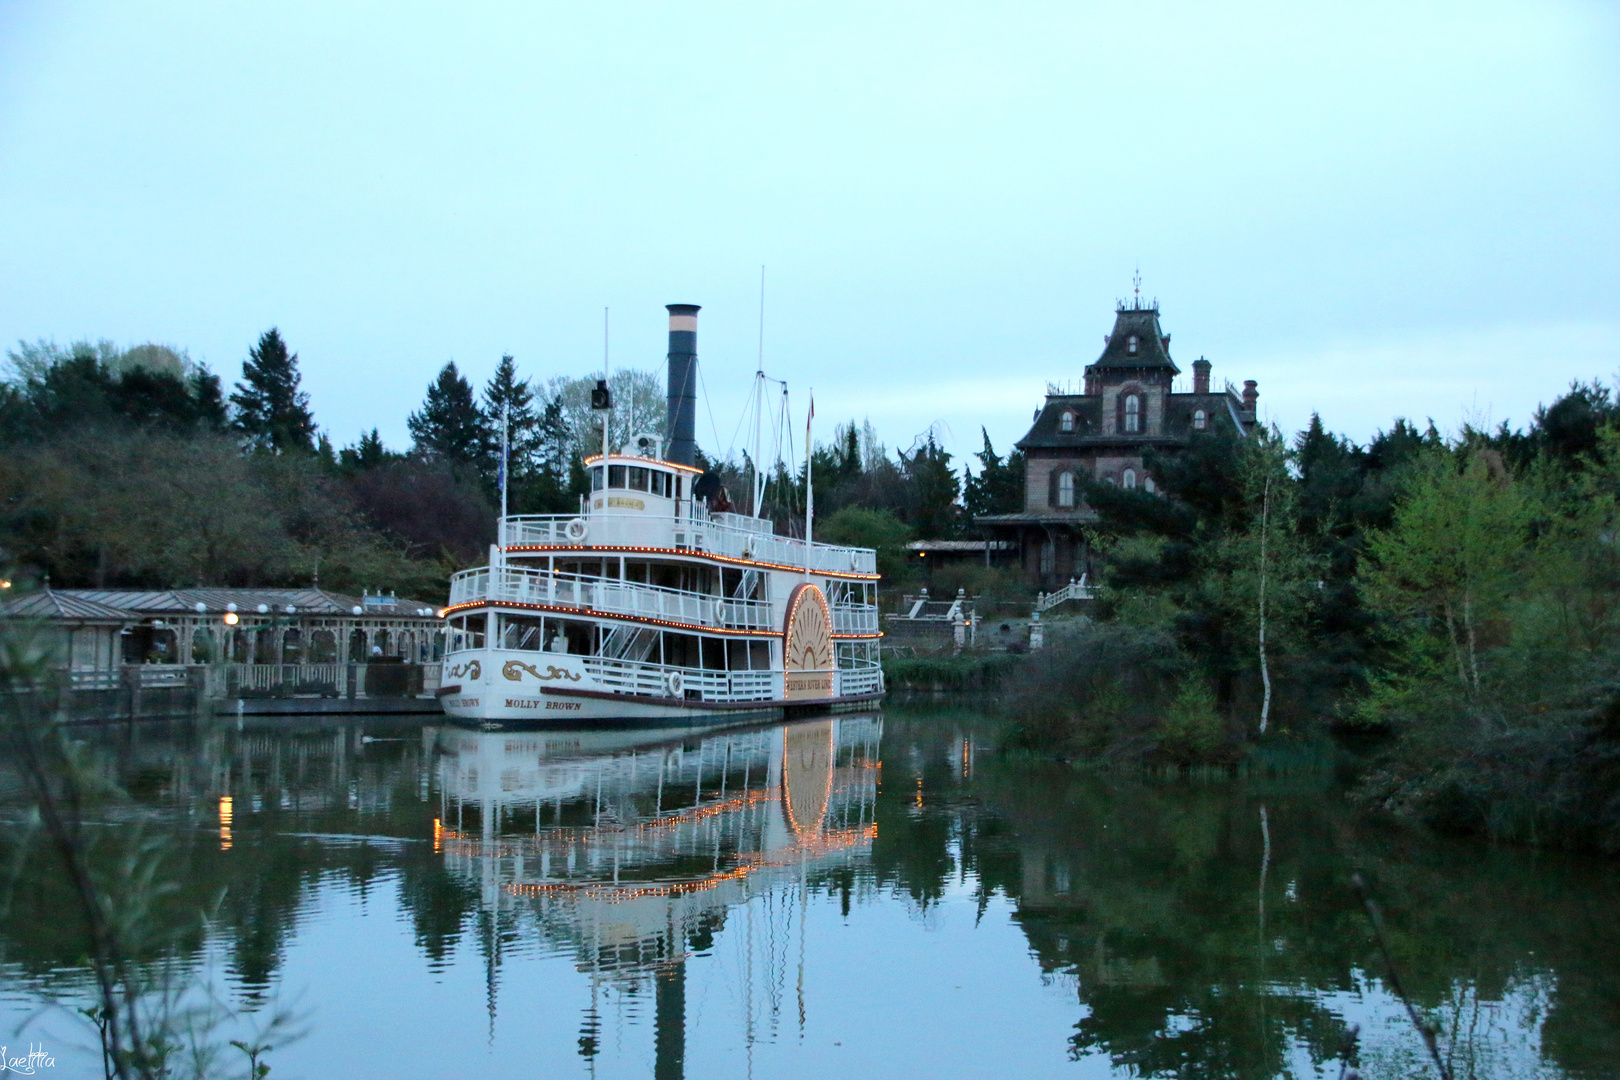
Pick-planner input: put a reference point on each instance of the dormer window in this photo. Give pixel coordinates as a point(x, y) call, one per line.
point(1200, 420)
point(1133, 413)
point(1066, 422)
point(1130, 344)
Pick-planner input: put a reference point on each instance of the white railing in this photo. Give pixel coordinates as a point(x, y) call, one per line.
point(722, 534)
point(653, 680)
point(142, 675)
point(853, 619)
point(1074, 590)
point(278, 676)
point(867, 679)
point(608, 596)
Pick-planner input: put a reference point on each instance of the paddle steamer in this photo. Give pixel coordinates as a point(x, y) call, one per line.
point(655, 602)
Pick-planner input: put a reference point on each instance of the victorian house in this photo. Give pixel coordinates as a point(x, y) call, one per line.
point(1130, 400)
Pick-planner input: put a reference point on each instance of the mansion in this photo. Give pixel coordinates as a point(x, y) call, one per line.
point(1130, 401)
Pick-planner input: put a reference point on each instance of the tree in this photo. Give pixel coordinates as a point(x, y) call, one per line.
point(367, 454)
point(856, 526)
point(640, 406)
point(506, 394)
point(999, 487)
point(270, 408)
point(1443, 570)
point(450, 426)
point(934, 488)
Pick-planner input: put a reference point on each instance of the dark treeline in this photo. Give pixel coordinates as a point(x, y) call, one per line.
point(1454, 598)
point(140, 468)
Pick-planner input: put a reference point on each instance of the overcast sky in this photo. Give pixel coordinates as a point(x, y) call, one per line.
point(1374, 210)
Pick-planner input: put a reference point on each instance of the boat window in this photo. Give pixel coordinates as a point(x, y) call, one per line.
point(467, 632)
point(596, 478)
point(578, 638)
point(714, 653)
point(681, 650)
point(660, 484)
point(638, 478)
point(520, 632)
point(748, 655)
point(616, 476)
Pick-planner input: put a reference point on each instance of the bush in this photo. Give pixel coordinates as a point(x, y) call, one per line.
point(1192, 731)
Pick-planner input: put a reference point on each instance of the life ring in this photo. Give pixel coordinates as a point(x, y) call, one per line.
point(575, 530)
point(673, 682)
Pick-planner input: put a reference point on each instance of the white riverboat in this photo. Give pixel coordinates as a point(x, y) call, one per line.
point(650, 604)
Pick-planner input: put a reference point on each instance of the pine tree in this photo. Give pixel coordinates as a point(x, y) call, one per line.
point(999, 487)
point(554, 441)
point(270, 408)
point(449, 425)
point(506, 391)
point(934, 489)
point(210, 398)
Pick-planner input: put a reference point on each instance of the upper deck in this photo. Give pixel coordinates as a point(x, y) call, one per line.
point(647, 505)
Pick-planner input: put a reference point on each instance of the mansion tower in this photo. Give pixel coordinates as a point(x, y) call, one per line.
point(1129, 402)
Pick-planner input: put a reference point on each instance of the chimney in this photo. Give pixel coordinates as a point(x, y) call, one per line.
point(682, 383)
point(1200, 376)
point(1250, 394)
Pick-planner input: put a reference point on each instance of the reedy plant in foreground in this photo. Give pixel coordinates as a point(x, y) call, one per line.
point(154, 1019)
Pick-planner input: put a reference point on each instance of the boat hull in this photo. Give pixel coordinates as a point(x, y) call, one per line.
point(496, 689)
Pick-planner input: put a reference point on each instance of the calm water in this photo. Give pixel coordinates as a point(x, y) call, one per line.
point(865, 896)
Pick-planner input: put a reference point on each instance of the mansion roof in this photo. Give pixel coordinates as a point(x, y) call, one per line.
point(1087, 410)
point(123, 605)
point(1140, 325)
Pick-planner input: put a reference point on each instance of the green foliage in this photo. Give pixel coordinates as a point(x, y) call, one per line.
point(857, 526)
point(999, 487)
point(1192, 731)
point(1442, 575)
point(450, 427)
point(933, 674)
point(271, 410)
point(935, 509)
point(1115, 694)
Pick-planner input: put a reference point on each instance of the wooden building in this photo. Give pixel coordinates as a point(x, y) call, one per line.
point(234, 643)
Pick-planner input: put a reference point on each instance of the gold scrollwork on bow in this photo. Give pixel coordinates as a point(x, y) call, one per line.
point(471, 669)
point(514, 670)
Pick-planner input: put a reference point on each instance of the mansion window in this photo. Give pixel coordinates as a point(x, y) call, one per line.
point(1133, 413)
point(1066, 422)
point(1130, 479)
point(1147, 485)
point(1130, 344)
point(1066, 489)
point(1200, 420)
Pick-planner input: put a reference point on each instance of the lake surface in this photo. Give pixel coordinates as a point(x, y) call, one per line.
point(871, 895)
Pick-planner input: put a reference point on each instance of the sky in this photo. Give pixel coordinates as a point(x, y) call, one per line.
point(1374, 210)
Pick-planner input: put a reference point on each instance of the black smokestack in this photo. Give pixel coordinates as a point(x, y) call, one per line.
point(682, 383)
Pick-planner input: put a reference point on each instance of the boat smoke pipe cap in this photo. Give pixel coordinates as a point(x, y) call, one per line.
point(683, 317)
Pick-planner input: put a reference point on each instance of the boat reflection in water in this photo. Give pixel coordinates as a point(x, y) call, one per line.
point(627, 848)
